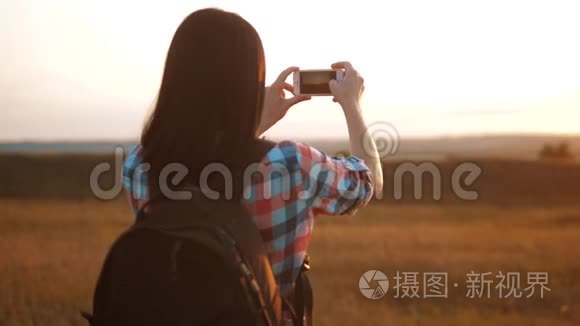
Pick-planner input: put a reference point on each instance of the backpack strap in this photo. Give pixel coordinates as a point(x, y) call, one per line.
point(303, 297)
point(179, 217)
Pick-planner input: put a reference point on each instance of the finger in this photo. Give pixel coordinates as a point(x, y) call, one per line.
point(288, 87)
point(332, 84)
point(342, 65)
point(297, 99)
point(284, 74)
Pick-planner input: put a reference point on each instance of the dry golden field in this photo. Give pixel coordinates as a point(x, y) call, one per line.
point(51, 253)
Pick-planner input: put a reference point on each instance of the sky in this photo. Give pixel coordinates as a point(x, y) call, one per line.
point(89, 70)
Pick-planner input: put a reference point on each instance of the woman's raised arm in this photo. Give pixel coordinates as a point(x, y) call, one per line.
point(347, 93)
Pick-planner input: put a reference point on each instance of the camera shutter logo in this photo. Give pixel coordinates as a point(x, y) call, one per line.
point(382, 284)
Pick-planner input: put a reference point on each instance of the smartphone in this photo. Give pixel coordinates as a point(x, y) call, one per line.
point(315, 82)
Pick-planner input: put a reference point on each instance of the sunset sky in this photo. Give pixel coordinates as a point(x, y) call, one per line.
point(79, 70)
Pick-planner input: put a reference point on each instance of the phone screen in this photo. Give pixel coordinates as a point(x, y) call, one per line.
point(316, 82)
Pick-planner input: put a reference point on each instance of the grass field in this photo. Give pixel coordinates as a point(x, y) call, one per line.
point(51, 253)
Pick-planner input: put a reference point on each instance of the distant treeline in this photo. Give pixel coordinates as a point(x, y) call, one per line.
point(502, 182)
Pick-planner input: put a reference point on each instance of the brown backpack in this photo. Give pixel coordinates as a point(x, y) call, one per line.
point(198, 262)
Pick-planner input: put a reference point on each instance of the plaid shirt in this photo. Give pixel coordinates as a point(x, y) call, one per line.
point(283, 204)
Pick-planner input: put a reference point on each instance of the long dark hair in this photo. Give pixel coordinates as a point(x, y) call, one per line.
point(211, 95)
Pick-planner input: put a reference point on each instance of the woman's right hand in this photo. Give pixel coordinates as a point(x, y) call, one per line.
point(347, 92)
point(350, 88)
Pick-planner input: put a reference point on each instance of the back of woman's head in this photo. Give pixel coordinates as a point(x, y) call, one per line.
point(211, 94)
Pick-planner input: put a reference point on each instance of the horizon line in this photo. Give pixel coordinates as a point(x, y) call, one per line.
point(315, 138)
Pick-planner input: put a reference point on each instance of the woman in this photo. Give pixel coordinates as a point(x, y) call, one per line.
point(213, 106)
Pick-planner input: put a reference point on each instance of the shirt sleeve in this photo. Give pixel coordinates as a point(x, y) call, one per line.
point(332, 185)
point(135, 179)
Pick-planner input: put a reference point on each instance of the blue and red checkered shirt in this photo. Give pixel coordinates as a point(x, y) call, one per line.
point(284, 205)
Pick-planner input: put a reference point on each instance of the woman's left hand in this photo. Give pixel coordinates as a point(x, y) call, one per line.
point(275, 102)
